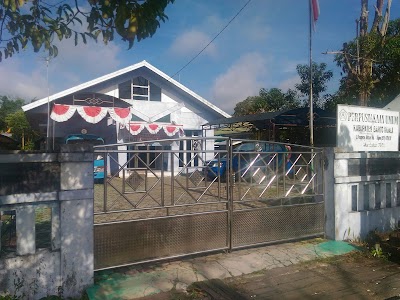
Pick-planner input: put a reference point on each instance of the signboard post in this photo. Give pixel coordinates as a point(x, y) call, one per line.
point(367, 129)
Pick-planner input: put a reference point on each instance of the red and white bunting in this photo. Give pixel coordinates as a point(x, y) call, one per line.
point(153, 128)
point(120, 115)
point(171, 130)
point(135, 128)
point(92, 114)
point(62, 113)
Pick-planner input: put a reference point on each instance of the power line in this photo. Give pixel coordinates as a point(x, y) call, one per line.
point(201, 51)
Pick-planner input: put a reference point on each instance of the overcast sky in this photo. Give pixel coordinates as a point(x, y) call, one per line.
point(259, 49)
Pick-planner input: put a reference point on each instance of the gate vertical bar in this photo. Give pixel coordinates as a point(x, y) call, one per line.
point(312, 169)
point(173, 177)
point(277, 174)
point(105, 181)
point(286, 159)
point(148, 156)
point(229, 185)
point(123, 179)
point(162, 178)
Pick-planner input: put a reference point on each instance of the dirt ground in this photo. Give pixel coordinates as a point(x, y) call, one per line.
point(346, 277)
point(351, 276)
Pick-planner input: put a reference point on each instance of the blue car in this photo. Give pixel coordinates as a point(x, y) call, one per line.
point(247, 157)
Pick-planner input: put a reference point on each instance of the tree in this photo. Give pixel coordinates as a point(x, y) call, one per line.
point(274, 99)
point(369, 53)
point(20, 129)
point(38, 22)
point(267, 100)
point(7, 107)
point(320, 78)
point(13, 120)
point(339, 97)
point(246, 107)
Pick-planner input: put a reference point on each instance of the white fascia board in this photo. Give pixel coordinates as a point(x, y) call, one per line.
point(82, 86)
point(118, 73)
point(185, 89)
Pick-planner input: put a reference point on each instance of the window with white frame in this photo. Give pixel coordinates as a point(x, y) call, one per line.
point(139, 88)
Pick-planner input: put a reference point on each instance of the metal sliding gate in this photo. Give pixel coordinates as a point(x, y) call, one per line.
point(170, 198)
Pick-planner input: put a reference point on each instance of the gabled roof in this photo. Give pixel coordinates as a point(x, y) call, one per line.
point(394, 104)
point(112, 75)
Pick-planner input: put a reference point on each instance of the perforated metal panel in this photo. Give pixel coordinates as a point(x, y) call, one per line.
point(129, 242)
point(276, 223)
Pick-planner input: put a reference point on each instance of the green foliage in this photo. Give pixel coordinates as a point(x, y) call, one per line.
point(8, 297)
point(13, 120)
point(275, 99)
point(320, 78)
point(17, 122)
point(331, 101)
point(383, 82)
point(377, 244)
point(267, 100)
point(371, 61)
point(378, 252)
point(38, 22)
point(20, 129)
point(8, 106)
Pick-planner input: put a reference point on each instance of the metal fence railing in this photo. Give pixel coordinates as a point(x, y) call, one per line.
point(169, 198)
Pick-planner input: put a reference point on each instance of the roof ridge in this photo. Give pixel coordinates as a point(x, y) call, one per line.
point(114, 74)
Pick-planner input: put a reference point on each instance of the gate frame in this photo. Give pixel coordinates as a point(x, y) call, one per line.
point(230, 185)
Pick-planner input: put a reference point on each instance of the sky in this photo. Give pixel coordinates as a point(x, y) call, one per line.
point(259, 49)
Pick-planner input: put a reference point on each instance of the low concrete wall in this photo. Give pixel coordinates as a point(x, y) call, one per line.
point(365, 193)
point(66, 267)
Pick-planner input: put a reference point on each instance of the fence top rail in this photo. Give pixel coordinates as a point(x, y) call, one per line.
point(277, 143)
point(160, 151)
point(220, 139)
point(161, 142)
point(22, 157)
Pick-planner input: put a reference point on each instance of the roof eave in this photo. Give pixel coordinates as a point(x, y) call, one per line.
point(82, 86)
point(101, 79)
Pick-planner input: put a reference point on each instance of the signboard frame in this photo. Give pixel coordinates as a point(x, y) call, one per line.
point(360, 128)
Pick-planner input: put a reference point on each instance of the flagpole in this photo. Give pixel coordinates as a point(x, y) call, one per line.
point(311, 79)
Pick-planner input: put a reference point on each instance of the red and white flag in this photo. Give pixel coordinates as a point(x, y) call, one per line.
point(314, 11)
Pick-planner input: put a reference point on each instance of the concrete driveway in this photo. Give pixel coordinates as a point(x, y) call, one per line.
point(158, 280)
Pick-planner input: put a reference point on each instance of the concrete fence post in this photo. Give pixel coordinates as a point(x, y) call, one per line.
point(76, 219)
point(329, 183)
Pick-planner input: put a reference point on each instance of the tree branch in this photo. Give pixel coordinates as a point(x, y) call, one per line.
point(364, 18)
point(378, 16)
point(351, 69)
point(385, 22)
